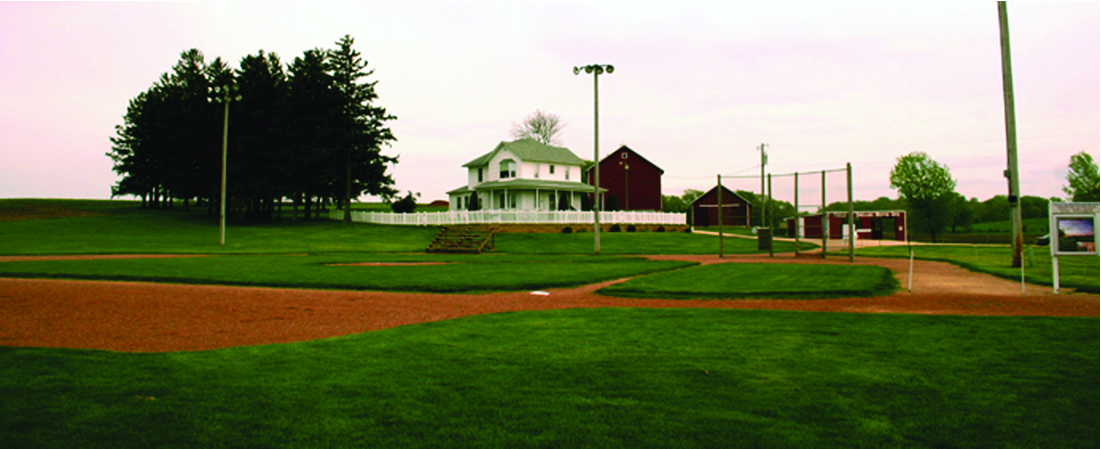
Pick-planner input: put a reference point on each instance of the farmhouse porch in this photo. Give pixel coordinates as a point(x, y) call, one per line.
point(512, 217)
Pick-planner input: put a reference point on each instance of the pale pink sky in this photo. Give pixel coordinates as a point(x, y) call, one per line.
point(697, 86)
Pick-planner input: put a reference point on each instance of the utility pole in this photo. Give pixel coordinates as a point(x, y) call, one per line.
point(764, 161)
point(1011, 171)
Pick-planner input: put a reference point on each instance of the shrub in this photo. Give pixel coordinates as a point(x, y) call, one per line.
point(660, 229)
point(405, 205)
point(631, 228)
point(567, 230)
point(614, 228)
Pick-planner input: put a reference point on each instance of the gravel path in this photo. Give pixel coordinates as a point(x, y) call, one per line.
point(149, 317)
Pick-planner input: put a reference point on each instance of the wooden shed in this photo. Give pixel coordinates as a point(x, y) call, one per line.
point(737, 211)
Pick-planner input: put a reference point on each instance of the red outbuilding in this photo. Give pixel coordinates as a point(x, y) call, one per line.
point(736, 210)
point(634, 180)
point(870, 225)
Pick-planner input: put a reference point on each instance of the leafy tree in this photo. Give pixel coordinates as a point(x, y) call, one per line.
point(927, 187)
point(1082, 178)
point(963, 216)
point(672, 203)
point(690, 195)
point(541, 126)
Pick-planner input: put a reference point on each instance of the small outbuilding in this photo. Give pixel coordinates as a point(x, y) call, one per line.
point(737, 211)
point(870, 225)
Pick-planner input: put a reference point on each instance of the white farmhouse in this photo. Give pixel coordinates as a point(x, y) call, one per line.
point(523, 175)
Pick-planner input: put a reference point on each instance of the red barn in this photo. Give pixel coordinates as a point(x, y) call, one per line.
point(736, 210)
point(635, 181)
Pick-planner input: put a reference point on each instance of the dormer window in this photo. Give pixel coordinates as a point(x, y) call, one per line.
point(552, 169)
point(508, 169)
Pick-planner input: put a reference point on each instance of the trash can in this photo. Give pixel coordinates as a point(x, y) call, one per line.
point(764, 239)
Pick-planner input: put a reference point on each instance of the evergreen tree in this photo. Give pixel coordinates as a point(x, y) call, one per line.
point(362, 131)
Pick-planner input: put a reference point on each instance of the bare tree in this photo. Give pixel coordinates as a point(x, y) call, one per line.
point(541, 126)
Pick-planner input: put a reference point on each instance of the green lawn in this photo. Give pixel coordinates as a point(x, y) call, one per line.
point(125, 228)
point(616, 377)
point(760, 280)
point(630, 378)
point(458, 274)
point(632, 243)
point(1079, 272)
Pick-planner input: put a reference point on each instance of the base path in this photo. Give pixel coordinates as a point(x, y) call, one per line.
point(149, 317)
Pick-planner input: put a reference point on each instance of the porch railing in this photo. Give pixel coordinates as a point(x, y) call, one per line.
point(511, 217)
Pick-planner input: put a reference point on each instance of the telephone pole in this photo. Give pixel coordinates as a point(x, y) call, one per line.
point(1011, 171)
point(764, 161)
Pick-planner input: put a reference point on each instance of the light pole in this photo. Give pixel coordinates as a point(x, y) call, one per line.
point(228, 94)
point(596, 70)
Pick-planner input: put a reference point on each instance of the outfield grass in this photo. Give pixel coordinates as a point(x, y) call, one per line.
point(1078, 272)
point(632, 243)
point(457, 274)
point(583, 378)
point(124, 228)
point(760, 280)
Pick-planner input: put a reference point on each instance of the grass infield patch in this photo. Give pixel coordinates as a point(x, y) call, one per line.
point(760, 280)
point(355, 271)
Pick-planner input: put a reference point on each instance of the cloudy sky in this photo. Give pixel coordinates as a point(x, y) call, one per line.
point(697, 86)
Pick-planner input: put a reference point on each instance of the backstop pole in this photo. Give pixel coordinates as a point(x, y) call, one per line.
point(825, 216)
point(852, 232)
point(719, 203)
point(796, 214)
point(771, 231)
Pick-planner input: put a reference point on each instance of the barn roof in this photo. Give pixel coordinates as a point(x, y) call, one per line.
point(530, 150)
point(627, 148)
point(709, 192)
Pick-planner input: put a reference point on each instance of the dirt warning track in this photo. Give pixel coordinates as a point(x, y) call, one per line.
point(149, 317)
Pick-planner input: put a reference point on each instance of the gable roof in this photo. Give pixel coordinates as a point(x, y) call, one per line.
point(635, 153)
point(530, 150)
point(714, 201)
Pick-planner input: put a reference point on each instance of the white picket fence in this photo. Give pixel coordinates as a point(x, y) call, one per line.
point(511, 217)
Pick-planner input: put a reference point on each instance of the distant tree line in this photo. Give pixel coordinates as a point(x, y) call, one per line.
point(308, 132)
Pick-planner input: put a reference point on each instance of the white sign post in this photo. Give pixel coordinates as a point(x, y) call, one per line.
point(1073, 229)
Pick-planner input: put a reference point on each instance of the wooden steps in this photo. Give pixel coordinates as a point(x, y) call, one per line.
point(462, 239)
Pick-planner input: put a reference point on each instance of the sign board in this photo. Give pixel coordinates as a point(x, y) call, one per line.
point(1073, 232)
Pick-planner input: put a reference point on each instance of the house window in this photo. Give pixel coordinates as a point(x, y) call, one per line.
point(552, 169)
point(508, 169)
point(479, 175)
point(460, 201)
point(623, 155)
point(537, 168)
